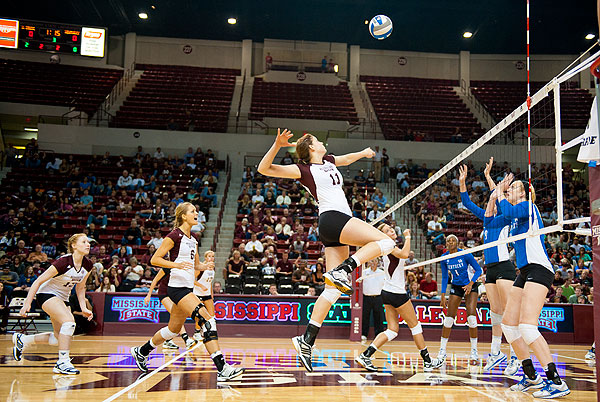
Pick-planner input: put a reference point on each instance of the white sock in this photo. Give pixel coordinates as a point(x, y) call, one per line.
point(474, 343)
point(512, 352)
point(443, 343)
point(316, 324)
point(358, 263)
point(28, 340)
point(496, 341)
point(63, 355)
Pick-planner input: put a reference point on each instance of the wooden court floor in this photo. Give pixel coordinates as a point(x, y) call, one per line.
point(273, 374)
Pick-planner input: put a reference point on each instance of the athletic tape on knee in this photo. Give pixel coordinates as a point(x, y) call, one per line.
point(390, 334)
point(196, 314)
point(417, 329)
point(210, 331)
point(448, 322)
point(472, 321)
point(167, 334)
point(529, 333)
point(496, 318)
point(511, 332)
point(331, 294)
point(386, 245)
point(52, 341)
point(68, 328)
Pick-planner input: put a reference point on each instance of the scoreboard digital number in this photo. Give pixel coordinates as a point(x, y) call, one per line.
point(52, 37)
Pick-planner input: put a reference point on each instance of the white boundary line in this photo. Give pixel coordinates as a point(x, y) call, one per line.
point(156, 370)
point(572, 358)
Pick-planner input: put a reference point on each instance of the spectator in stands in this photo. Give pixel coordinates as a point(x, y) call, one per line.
point(257, 198)
point(313, 232)
point(100, 219)
point(374, 213)
point(414, 292)
point(147, 256)
point(9, 278)
point(21, 249)
point(283, 200)
point(379, 199)
point(86, 200)
point(207, 192)
point(144, 282)
point(236, 265)
point(574, 298)
point(287, 159)
point(37, 255)
point(133, 234)
point(4, 310)
point(298, 248)
point(53, 166)
point(25, 282)
point(11, 155)
point(131, 275)
point(125, 202)
point(567, 288)
point(558, 296)
point(360, 178)
point(270, 200)
point(324, 64)
point(283, 229)
point(255, 228)
point(471, 240)
point(106, 286)
point(217, 288)
point(254, 247)
point(125, 181)
point(301, 275)
point(428, 287)
point(268, 61)
point(284, 265)
point(318, 280)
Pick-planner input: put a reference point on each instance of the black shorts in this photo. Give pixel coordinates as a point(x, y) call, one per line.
point(176, 294)
point(500, 270)
point(205, 298)
point(457, 290)
point(331, 224)
point(534, 273)
point(162, 296)
point(394, 299)
point(42, 298)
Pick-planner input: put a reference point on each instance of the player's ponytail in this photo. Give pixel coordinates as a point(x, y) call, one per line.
point(525, 184)
point(72, 240)
point(303, 148)
point(181, 209)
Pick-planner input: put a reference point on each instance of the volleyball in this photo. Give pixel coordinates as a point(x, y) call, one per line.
point(380, 27)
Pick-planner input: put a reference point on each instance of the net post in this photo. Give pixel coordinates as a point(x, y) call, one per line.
point(558, 150)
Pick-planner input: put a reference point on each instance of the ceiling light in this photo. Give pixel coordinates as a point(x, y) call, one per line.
point(467, 34)
point(231, 21)
point(30, 129)
point(143, 16)
point(336, 68)
point(590, 36)
point(153, 7)
point(366, 22)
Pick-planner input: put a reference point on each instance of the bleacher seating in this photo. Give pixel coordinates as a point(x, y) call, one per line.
point(191, 96)
point(302, 101)
point(502, 97)
point(82, 88)
point(428, 106)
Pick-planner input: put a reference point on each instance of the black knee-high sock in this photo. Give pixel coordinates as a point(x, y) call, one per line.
point(185, 337)
point(528, 369)
point(370, 351)
point(218, 359)
point(425, 355)
point(310, 335)
point(552, 374)
point(349, 265)
point(146, 348)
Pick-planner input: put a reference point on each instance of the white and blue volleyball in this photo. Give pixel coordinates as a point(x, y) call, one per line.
point(380, 27)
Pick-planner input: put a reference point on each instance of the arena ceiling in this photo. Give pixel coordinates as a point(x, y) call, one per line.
point(557, 26)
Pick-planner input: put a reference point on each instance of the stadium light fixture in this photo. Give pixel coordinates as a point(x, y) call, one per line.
point(467, 34)
point(336, 68)
point(31, 129)
point(366, 22)
point(143, 16)
point(232, 21)
point(590, 36)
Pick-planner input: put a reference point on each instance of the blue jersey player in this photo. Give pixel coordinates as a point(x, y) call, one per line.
point(464, 270)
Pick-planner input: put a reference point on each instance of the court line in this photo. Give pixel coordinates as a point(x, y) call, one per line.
point(484, 393)
point(572, 358)
point(156, 370)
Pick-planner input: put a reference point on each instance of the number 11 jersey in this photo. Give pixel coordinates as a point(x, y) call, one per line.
point(184, 250)
point(326, 184)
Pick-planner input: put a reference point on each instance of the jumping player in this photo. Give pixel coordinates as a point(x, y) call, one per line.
point(396, 303)
point(319, 173)
point(463, 285)
point(500, 272)
point(183, 261)
point(51, 291)
point(528, 293)
point(162, 279)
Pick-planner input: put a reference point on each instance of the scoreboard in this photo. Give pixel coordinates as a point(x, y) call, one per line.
point(52, 37)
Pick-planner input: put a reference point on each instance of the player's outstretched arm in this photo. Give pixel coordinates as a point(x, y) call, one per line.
point(348, 159)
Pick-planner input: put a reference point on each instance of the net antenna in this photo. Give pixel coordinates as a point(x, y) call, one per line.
point(529, 129)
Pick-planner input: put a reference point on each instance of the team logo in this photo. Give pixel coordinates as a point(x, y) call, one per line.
point(133, 308)
point(550, 316)
point(93, 34)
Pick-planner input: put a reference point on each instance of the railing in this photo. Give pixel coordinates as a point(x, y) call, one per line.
point(294, 65)
point(478, 106)
point(222, 209)
point(111, 98)
point(237, 115)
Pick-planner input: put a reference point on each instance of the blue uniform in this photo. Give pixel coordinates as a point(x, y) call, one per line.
point(494, 228)
point(459, 266)
point(530, 250)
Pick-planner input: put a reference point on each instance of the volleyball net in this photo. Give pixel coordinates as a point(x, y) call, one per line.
point(430, 202)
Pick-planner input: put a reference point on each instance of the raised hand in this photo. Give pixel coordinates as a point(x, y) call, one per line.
point(406, 233)
point(488, 167)
point(283, 138)
point(368, 153)
point(462, 173)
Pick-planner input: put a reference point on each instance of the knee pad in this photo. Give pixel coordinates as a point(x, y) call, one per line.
point(390, 334)
point(167, 334)
point(52, 341)
point(331, 294)
point(196, 314)
point(68, 328)
point(386, 245)
point(529, 333)
point(417, 329)
point(209, 332)
point(472, 321)
point(511, 332)
point(448, 322)
point(496, 318)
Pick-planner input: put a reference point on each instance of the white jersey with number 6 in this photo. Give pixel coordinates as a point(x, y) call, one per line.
point(184, 250)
